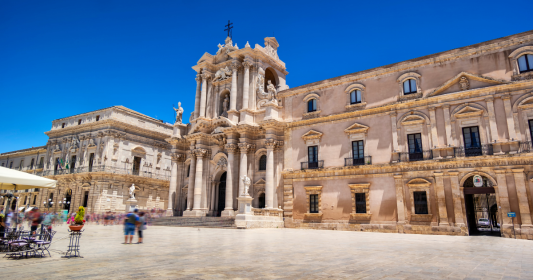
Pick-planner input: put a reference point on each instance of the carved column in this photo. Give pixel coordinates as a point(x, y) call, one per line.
point(233, 93)
point(173, 183)
point(269, 186)
point(457, 202)
point(503, 195)
point(509, 115)
point(197, 98)
point(400, 202)
point(203, 95)
point(192, 173)
point(448, 125)
point(492, 120)
point(243, 169)
point(433, 120)
point(198, 181)
point(521, 192)
point(246, 85)
point(441, 199)
point(228, 208)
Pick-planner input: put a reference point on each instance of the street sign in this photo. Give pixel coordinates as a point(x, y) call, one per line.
point(478, 181)
point(511, 214)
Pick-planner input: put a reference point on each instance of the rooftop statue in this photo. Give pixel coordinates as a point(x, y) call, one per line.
point(179, 113)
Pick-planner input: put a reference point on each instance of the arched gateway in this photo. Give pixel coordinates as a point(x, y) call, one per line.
point(481, 206)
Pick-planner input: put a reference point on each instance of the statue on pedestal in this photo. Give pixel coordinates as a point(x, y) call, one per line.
point(132, 191)
point(225, 104)
point(179, 113)
point(246, 182)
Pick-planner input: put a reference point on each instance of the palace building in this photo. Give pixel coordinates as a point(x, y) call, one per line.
point(440, 144)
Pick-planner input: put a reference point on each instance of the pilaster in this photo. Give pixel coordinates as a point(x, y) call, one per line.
point(441, 199)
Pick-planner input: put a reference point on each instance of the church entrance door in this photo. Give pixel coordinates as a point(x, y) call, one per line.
point(481, 208)
point(221, 195)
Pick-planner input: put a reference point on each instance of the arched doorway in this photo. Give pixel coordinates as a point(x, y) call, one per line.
point(221, 194)
point(261, 200)
point(482, 213)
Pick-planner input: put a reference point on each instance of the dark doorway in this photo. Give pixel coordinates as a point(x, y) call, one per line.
point(136, 165)
point(85, 198)
point(261, 199)
point(481, 208)
point(66, 201)
point(221, 195)
point(14, 204)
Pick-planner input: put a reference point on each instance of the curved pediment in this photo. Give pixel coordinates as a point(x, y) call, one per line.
point(418, 182)
point(465, 81)
point(412, 120)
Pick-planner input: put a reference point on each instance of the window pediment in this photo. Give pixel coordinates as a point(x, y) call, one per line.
point(356, 128)
point(418, 183)
point(463, 80)
point(260, 182)
point(413, 120)
point(355, 86)
point(468, 111)
point(312, 134)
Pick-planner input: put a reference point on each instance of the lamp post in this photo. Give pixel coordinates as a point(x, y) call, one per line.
point(48, 204)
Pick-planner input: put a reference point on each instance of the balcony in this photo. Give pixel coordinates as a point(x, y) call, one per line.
point(312, 165)
point(525, 147)
point(367, 160)
point(483, 150)
point(408, 157)
point(163, 175)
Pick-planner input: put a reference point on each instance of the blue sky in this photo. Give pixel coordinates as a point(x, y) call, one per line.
point(61, 58)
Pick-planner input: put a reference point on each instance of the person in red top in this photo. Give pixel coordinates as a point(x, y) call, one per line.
point(35, 217)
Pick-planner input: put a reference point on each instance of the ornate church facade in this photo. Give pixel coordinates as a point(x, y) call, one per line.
point(440, 144)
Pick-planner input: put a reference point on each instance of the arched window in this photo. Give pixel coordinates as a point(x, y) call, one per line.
point(311, 105)
point(409, 86)
point(525, 63)
point(355, 97)
point(263, 162)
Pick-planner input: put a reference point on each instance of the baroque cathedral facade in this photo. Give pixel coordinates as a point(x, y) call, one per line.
point(440, 144)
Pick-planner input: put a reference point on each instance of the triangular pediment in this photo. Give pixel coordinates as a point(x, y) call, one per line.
point(260, 182)
point(206, 57)
point(468, 111)
point(312, 134)
point(356, 128)
point(465, 81)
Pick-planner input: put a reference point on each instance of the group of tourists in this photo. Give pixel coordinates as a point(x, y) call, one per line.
point(33, 218)
point(134, 222)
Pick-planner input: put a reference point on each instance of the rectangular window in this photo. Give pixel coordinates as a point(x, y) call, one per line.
point(79, 121)
point(415, 143)
point(41, 162)
point(312, 155)
point(11, 165)
point(85, 198)
point(313, 203)
point(136, 165)
point(72, 163)
point(91, 159)
point(21, 164)
point(358, 152)
point(63, 125)
point(97, 118)
point(355, 97)
point(31, 163)
point(421, 202)
point(360, 203)
point(471, 137)
point(531, 129)
point(34, 199)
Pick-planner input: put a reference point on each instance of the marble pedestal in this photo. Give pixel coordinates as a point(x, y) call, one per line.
point(249, 217)
point(233, 116)
point(227, 213)
point(179, 130)
point(272, 111)
point(131, 204)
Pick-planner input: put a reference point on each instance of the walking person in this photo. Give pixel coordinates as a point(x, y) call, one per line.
point(130, 223)
point(36, 219)
point(142, 227)
point(2, 224)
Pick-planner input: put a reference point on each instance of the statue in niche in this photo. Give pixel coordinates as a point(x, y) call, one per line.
point(222, 74)
point(246, 182)
point(271, 90)
point(179, 113)
point(225, 104)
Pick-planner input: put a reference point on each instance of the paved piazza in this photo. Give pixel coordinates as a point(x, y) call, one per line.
point(208, 253)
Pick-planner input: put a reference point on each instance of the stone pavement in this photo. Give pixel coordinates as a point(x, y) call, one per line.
point(210, 253)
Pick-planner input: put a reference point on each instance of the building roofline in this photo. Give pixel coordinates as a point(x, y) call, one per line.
point(120, 107)
point(473, 46)
point(23, 150)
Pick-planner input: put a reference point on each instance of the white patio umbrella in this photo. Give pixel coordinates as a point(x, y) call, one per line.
point(17, 180)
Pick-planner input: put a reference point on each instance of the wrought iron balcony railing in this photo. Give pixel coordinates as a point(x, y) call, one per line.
point(164, 175)
point(367, 160)
point(312, 165)
point(418, 156)
point(482, 150)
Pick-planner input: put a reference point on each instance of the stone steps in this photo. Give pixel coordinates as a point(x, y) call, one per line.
point(210, 222)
